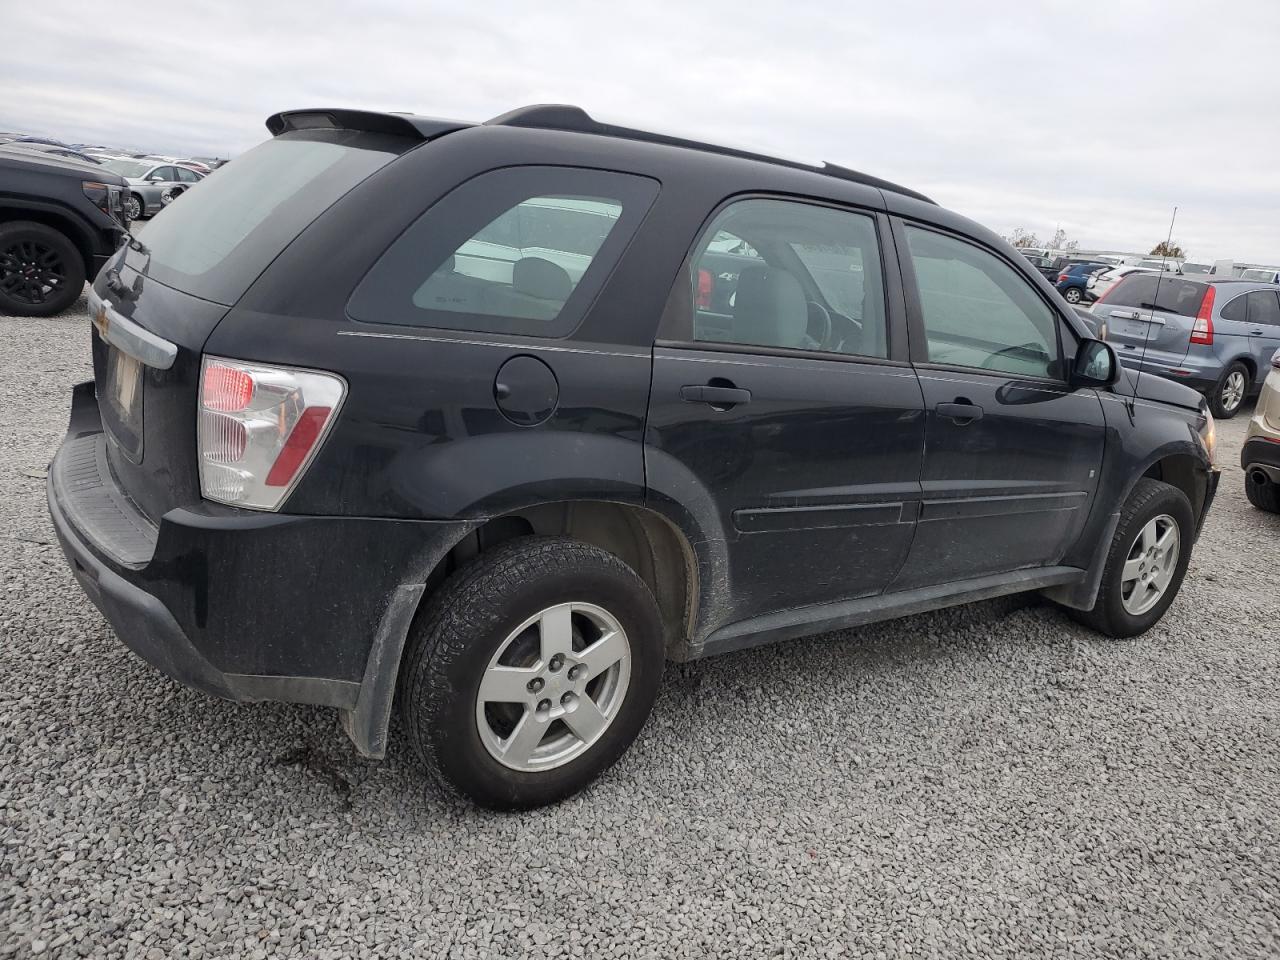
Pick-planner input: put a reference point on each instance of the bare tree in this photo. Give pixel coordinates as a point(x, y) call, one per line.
point(1168, 248)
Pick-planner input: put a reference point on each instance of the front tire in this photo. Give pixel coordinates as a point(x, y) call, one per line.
point(135, 207)
point(41, 271)
point(1146, 563)
point(531, 671)
point(1230, 391)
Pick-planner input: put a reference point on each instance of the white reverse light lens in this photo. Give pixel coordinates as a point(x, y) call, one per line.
point(259, 428)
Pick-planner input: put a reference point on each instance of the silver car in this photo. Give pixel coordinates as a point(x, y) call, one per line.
point(152, 185)
point(1215, 334)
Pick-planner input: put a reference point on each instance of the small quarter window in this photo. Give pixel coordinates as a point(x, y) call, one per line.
point(521, 250)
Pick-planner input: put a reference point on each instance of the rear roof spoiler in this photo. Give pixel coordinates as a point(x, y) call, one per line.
point(393, 124)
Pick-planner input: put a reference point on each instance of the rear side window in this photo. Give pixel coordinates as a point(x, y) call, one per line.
point(1174, 295)
point(521, 250)
point(226, 231)
point(1264, 308)
point(777, 273)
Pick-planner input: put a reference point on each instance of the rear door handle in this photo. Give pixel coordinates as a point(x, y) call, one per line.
point(961, 412)
point(716, 396)
point(1257, 333)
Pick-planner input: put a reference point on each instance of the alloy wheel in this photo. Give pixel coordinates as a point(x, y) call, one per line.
point(1150, 565)
point(553, 687)
point(1072, 295)
point(31, 272)
point(134, 207)
point(1233, 390)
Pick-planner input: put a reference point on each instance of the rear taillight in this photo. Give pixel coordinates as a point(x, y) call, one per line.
point(706, 286)
point(1202, 332)
point(259, 427)
point(1063, 276)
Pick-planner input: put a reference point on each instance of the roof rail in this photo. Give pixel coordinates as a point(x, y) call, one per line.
point(563, 116)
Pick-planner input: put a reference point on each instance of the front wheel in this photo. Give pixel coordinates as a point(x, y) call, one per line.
point(531, 671)
point(1072, 295)
point(41, 271)
point(1146, 563)
point(134, 207)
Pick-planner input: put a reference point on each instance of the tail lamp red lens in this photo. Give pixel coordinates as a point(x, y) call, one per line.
point(1202, 331)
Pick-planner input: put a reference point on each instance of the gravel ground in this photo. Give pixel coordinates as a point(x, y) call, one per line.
point(991, 781)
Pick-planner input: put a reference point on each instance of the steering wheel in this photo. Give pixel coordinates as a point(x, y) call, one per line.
point(820, 318)
point(1035, 349)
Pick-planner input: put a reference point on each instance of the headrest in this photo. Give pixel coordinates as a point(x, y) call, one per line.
point(769, 307)
point(540, 278)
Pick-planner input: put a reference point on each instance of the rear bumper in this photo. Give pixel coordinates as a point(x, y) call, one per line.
point(241, 604)
point(1258, 452)
point(1186, 370)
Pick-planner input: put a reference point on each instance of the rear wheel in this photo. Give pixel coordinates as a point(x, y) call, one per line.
point(1146, 563)
point(1072, 295)
point(1262, 493)
point(41, 271)
point(531, 671)
point(1229, 392)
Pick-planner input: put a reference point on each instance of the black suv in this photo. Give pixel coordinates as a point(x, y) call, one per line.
point(60, 220)
point(400, 409)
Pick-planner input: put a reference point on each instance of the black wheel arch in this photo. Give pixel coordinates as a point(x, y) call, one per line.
point(69, 224)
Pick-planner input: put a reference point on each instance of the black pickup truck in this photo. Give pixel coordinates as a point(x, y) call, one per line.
point(60, 221)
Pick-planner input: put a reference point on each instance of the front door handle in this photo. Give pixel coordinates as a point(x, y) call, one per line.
point(722, 398)
point(962, 411)
point(1257, 333)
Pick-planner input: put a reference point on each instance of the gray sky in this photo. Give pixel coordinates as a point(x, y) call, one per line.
point(1098, 118)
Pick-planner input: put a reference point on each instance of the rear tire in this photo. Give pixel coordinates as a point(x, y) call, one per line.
point(1229, 392)
point(488, 709)
point(1264, 496)
point(1151, 510)
point(1072, 295)
point(41, 271)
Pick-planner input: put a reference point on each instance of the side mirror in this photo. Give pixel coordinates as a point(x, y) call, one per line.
point(1096, 365)
point(154, 178)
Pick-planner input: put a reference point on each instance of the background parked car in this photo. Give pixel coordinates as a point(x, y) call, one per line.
point(1260, 456)
point(1215, 335)
point(1099, 283)
point(54, 150)
point(1073, 280)
point(1261, 274)
point(59, 222)
point(151, 185)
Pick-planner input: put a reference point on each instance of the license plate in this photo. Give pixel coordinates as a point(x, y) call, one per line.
point(122, 391)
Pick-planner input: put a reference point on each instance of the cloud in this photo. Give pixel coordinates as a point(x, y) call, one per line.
point(1097, 119)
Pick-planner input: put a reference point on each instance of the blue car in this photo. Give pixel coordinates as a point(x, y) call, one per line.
point(1073, 279)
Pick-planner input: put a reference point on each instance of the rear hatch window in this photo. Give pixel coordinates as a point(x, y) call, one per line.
point(216, 240)
point(1148, 291)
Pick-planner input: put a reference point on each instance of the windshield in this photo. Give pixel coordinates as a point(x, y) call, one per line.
point(1196, 268)
point(1266, 276)
point(127, 168)
point(217, 241)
